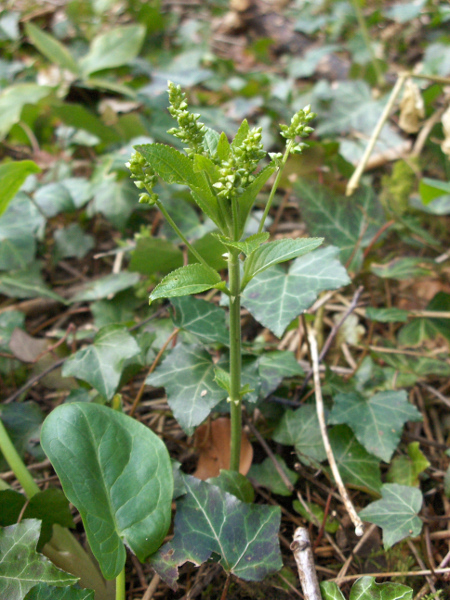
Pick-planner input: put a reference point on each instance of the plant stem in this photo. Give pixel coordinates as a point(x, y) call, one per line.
point(235, 359)
point(275, 184)
point(16, 464)
point(366, 36)
point(120, 585)
point(181, 235)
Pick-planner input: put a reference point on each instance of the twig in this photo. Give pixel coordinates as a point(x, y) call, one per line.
point(394, 574)
point(348, 562)
point(152, 587)
point(421, 565)
point(301, 547)
point(359, 527)
point(354, 179)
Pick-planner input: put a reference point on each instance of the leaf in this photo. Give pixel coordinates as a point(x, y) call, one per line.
point(396, 513)
point(404, 268)
point(330, 591)
point(71, 241)
point(276, 297)
point(12, 176)
point(100, 364)
point(117, 473)
point(209, 520)
point(27, 283)
point(23, 422)
point(187, 374)
point(356, 466)
point(267, 476)
point(114, 48)
point(203, 319)
point(46, 592)
point(78, 116)
point(248, 196)
point(378, 421)
point(12, 100)
point(115, 200)
point(234, 483)
point(405, 470)
point(51, 48)
point(365, 588)
point(387, 315)
point(276, 252)
point(347, 223)
point(274, 367)
point(21, 567)
point(300, 428)
point(155, 255)
point(420, 330)
point(331, 524)
point(106, 286)
point(247, 246)
point(191, 279)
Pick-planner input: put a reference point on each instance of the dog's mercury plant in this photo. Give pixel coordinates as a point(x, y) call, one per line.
point(224, 181)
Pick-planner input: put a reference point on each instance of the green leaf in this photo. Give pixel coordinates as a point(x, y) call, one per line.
point(365, 588)
point(191, 279)
point(387, 315)
point(209, 520)
point(430, 189)
point(274, 367)
point(46, 592)
point(204, 163)
point(234, 483)
point(12, 100)
point(115, 200)
point(330, 591)
point(114, 48)
point(378, 421)
point(223, 147)
point(155, 255)
point(396, 513)
point(223, 378)
point(247, 246)
point(272, 253)
point(51, 48)
point(210, 140)
point(404, 268)
point(203, 319)
point(12, 176)
point(187, 374)
point(21, 567)
point(420, 330)
point(117, 473)
point(27, 283)
point(405, 470)
point(101, 363)
point(248, 196)
point(300, 428)
point(23, 421)
point(356, 466)
point(276, 297)
point(71, 241)
point(79, 117)
point(347, 223)
point(106, 286)
point(267, 476)
point(331, 524)
point(241, 134)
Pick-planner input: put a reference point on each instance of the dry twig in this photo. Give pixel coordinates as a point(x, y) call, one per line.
point(301, 547)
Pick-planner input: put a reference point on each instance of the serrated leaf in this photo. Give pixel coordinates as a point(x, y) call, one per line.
point(114, 48)
point(51, 48)
point(191, 279)
point(117, 473)
point(209, 520)
point(378, 421)
point(12, 176)
point(274, 367)
point(203, 319)
point(396, 513)
point(234, 483)
point(347, 223)
point(267, 476)
point(187, 374)
point(248, 196)
point(405, 470)
point(247, 246)
point(223, 379)
point(356, 466)
point(21, 567)
point(106, 286)
point(274, 253)
point(300, 428)
point(12, 100)
point(100, 364)
point(276, 297)
point(46, 592)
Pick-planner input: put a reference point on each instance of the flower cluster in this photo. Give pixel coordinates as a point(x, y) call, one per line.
point(144, 176)
point(299, 127)
point(248, 154)
point(190, 131)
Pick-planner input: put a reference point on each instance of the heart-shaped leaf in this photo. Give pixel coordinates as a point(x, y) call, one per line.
point(117, 473)
point(204, 319)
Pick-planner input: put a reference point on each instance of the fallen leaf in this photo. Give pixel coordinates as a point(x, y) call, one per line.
point(25, 347)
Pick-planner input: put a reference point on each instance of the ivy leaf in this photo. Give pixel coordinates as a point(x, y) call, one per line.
point(267, 476)
point(331, 523)
point(408, 267)
point(234, 483)
point(387, 315)
point(27, 283)
point(378, 421)
point(12, 176)
point(21, 567)
point(396, 513)
point(365, 588)
point(300, 428)
point(23, 422)
point(187, 374)
point(100, 364)
point(276, 297)
point(405, 470)
point(426, 328)
point(356, 466)
point(203, 319)
point(276, 252)
point(114, 48)
point(191, 279)
point(46, 592)
point(117, 473)
point(209, 520)
point(274, 367)
point(106, 286)
point(330, 591)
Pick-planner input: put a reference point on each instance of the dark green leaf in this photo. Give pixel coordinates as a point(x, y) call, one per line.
point(274, 367)
point(396, 513)
point(209, 520)
point(106, 286)
point(46, 592)
point(154, 255)
point(21, 567)
point(191, 279)
point(234, 483)
point(115, 200)
point(378, 421)
point(267, 476)
point(276, 297)
point(187, 374)
point(117, 473)
point(23, 422)
point(71, 242)
point(101, 363)
point(204, 319)
point(79, 117)
point(27, 283)
point(365, 588)
point(12, 176)
point(51, 48)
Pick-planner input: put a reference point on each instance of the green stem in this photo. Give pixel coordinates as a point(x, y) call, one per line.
point(235, 359)
point(275, 184)
point(16, 463)
point(120, 585)
point(180, 234)
point(366, 36)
